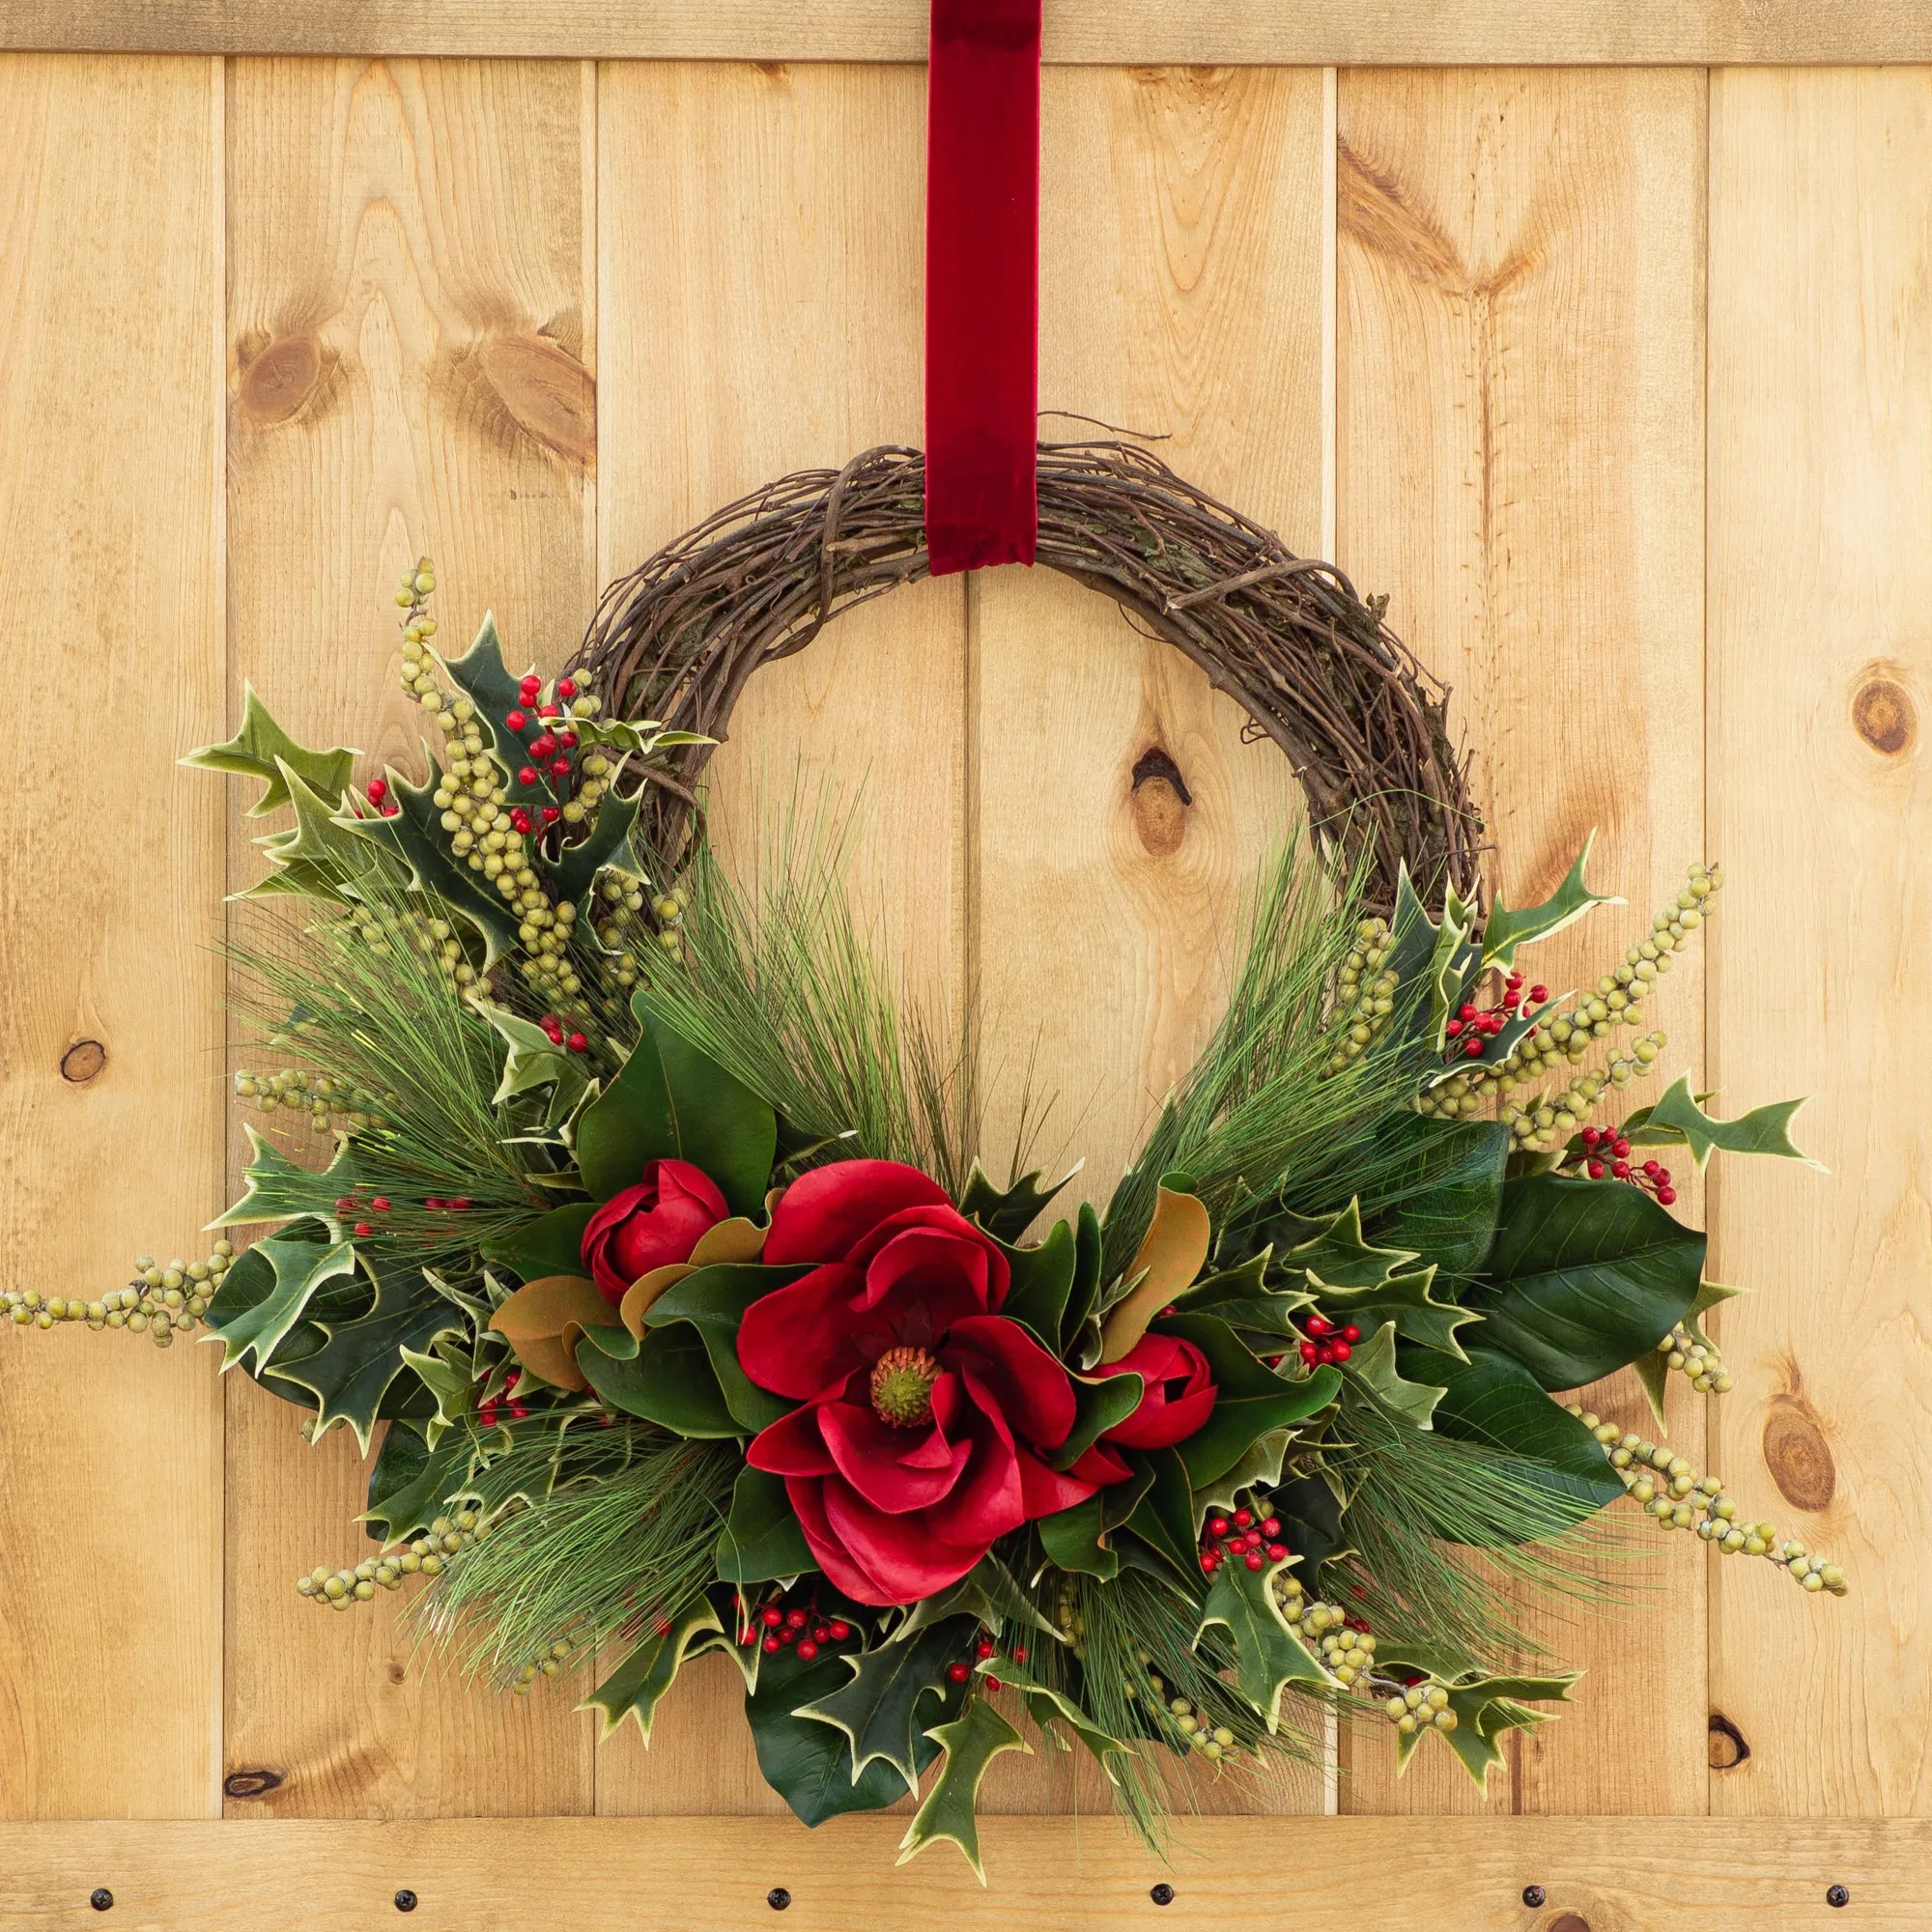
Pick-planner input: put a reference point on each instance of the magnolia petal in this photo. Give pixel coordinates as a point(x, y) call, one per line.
point(1168, 1260)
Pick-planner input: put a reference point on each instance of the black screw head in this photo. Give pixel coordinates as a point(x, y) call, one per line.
point(1162, 1893)
point(1534, 1895)
point(101, 1899)
point(1838, 1895)
point(778, 1898)
point(405, 1900)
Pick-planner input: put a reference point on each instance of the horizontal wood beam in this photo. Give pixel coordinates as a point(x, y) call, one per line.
point(1051, 1874)
point(1347, 33)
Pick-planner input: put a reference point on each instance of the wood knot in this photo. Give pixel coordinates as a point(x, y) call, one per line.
point(280, 379)
point(1725, 1749)
point(252, 1783)
point(397, 1671)
point(1569, 1921)
point(83, 1060)
point(1161, 799)
point(1885, 716)
point(1798, 1456)
point(549, 393)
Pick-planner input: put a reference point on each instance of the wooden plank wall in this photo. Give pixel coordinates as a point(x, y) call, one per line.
point(1617, 381)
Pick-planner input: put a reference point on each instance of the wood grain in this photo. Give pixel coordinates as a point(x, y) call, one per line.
point(111, 877)
point(1521, 464)
point(1084, 32)
point(412, 348)
point(1821, 802)
point(761, 267)
point(714, 1875)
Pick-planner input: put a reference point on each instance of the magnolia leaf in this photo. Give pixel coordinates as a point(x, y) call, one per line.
point(1585, 1276)
point(1007, 1212)
point(1076, 1538)
point(878, 1708)
point(548, 1244)
point(1169, 1259)
point(1373, 1366)
point(665, 1378)
point(480, 676)
point(267, 1290)
point(1100, 1404)
point(950, 1809)
point(713, 1301)
point(261, 749)
point(761, 1539)
point(1042, 1279)
point(1653, 1369)
point(637, 1685)
point(1406, 1300)
point(1080, 1332)
point(1439, 1186)
point(1163, 1518)
point(1269, 1654)
point(1677, 1118)
point(1049, 1709)
point(1505, 930)
point(543, 1321)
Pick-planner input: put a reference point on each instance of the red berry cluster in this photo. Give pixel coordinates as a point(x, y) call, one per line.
point(984, 1650)
point(1473, 1026)
point(1240, 1539)
point(777, 1628)
point(378, 790)
point(490, 1411)
point(554, 1027)
point(349, 1207)
point(1328, 1343)
point(548, 750)
point(1606, 1152)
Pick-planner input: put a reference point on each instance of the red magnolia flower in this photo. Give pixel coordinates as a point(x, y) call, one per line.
point(1178, 1396)
point(648, 1226)
point(924, 1408)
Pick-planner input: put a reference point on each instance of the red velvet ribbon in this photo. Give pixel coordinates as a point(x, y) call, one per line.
point(981, 283)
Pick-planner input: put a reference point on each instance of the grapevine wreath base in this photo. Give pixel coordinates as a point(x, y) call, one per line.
point(652, 1246)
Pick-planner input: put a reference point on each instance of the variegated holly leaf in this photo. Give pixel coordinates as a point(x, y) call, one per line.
point(1269, 1654)
point(1334, 1250)
point(317, 857)
point(1050, 1709)
point(261, 750)
point(1677, 1120)
point(637, 1685)
point(607, 842)
point(988, 1592)
point(1505, 930)
point(533, 1058)
point(412, 1480)
point(479, 674)
point(950, 1810)
point(267, 1290)
point(1007, 1212)
point(878, 1709)
point(1485, 1708)
point(1373, 1366)
point(1653, 1369)
point(1404, 1299)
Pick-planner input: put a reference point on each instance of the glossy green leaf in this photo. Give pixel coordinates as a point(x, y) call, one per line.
point(1101, 1402)
point(1007, 1212)
point(269, 1290)
point(1584, 1276)
point(1051, 1711)
point(261, 749)
point(878, 1708)
point(1089, 1246)
point(713, 1301)
point(1081, 1538)
point(667, 1380)
point(409, 1480)
point(480, 674)
point(1269, 1654)
point(1164, 1516)
point(1042, 1279)
point(1505, 930)
point(548, 1244)
point(638, 1685)
point(950, 1810)
point(1406, 1300)
point(1440, 1187)
point(607, 842)
point(761, 1540)
point(1252, 1400)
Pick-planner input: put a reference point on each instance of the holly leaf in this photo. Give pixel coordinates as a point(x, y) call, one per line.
point(1170, 1257)
point(637, 1685)
point(1584, 1277)
point(261, 749)
point(1259, 1469)
point(1375, 1367)
point(1078, 1538)
point(1505, 930)
point(1042, 1279)
point(548, 1244)
point(988, 1593)
point(1406, 1300)
point(713, 1301)
point(1652, 1368)
point(1677, 1120)
point(1336, 1253)
point(1310, 1519)
point(1164, 1516)
point(950, 1809)
point(607, 842)
point(1485, 1708)
point(531, 1060)
point(667, 1377)
point(268, 1292)
point(1242, 1297)
point(479, 674)
point(1251, 1400)
point(1049, 1709)
point(319, 856)
point(761, 1540)
point(806, 1761)
point(1440, 1188)
point(1269, 1655)
point(411, 1481)
point(1007, 1212)
point(877, 1709)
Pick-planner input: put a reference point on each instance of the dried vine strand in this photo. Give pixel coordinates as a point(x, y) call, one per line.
point(1287, 638)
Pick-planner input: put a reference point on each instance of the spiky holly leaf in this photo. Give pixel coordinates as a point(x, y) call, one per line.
point(1485, 1708)
point(1311, 1516)
point(1425, 953)
point(988, 1593)
point(479, 674)
point(411, 1479)
point(607, 842)
point(878, 1709)
point(1653, 1369)
point(1505, 930)
point(1007, 1212)
point(1407, 1301)
point(318, 857)
point(1677, 1120)
point(1335, 1250)
point(1269, 1654)
point(351, 1373)
point(532, 1059)
point(1375, 1367)
point(269, 1291)
point(448, 1369)
point(1242, 1297)
point(950, 1809)
point(637, 1685)
point(1252, 1400)
point(761, 1540)
point(413, 834)
point(1259, 1469)
point(261, 749)
point(1050, 1709)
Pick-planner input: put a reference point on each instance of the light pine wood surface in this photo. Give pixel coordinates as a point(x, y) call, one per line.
point(270, 328)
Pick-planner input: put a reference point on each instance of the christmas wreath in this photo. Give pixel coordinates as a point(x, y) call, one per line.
point(653, 1248)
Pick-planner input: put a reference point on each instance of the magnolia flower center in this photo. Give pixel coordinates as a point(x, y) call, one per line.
point(903, 1381)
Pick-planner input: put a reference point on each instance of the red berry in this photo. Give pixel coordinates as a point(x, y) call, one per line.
point(1351, 1333)
point(1474, 1048)
point(1591, 1135)
point(515, 719)
point(518, 1413)
point(787, 1634)
point(772, 1645)
point(958, 1673)
point(1620, 1147)
point(1465, 1012)
point(529, 683)
point(550, 814)
point(1020, 1653)
point(821, 1632)
point(381, 1203)
point(983, 1650)
point(1667, 1197)
point(1621, 1169)
point(1243, 1517)
point(566, 686)
point(560, 769)
point(546, 711)
point(526, 775)
point(486, 1415)
point(994, 1684)
point(807, 1649)
point(513, 1379)
point(458, 1203)
point(1277, 1552)
point(1538, 994)
point(1342, 1352)
point(1308, 1351)
point(578, 1044)
point(378, 791)
point(345, 1204)
point(391, 809)
point(1650, 1168)
point(542, 746)
point(1209, 1562)
point(1594, 1169)
point(568, 740)
point(1254, 1559)
point(771, 1616)
point(1253, 1538)
point(798, 1619)
point(1326, 1352)
point(1664, 1174)
point(1452, 1028)
point(363, 1228)
point(1272, 1526)
point(1217, 1525)
point(747, 1636)
point(841, 1629)
point(1319, 1325)
point(434, 1203)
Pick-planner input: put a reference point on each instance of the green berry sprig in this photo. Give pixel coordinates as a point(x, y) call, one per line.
point(159, 1301)
point(1674, 1497)
point(427, 1555)
point(1364, 991)
point(330, 1105)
